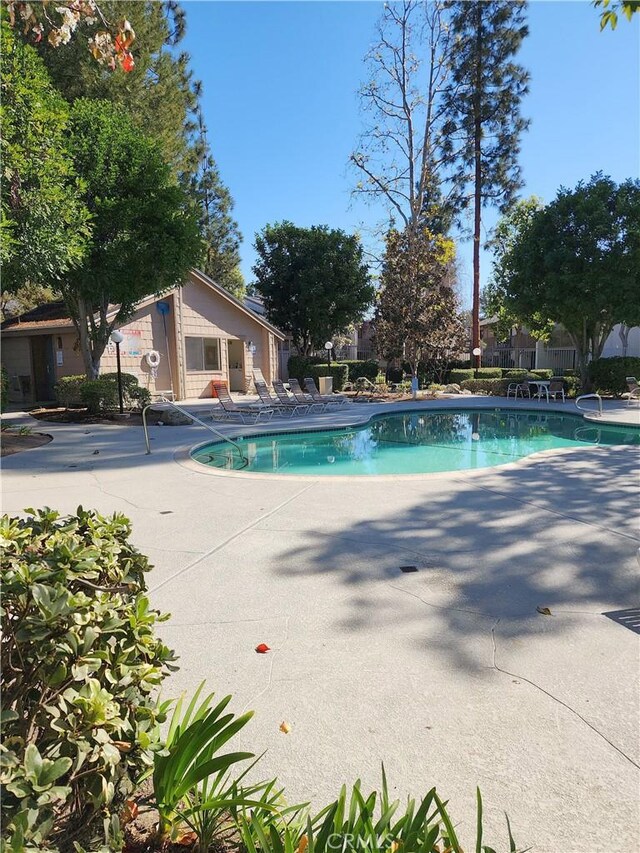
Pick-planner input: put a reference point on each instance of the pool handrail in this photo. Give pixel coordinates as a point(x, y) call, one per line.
point(192, 417)
point(590, 397)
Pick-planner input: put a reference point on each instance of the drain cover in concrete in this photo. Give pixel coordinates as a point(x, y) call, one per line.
point(407, 569)
point(627, 618)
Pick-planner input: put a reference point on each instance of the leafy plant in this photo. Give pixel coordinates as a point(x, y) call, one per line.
point(4, 387)
point(80, 666)
point(609, 375)
point(189, 757)
point(99, 395)
point(356, 823)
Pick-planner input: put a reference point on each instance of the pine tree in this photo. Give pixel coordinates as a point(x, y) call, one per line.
point(483, 105)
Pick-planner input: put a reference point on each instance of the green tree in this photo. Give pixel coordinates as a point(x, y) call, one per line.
point(313, 281)
point(483, 111)
point(575, 262)
point(44, 222)
point(145, 232)
point(417, 314)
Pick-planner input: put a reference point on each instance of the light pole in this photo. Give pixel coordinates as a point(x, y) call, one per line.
point(477, 352)
point(328, 346)
point(117, 338)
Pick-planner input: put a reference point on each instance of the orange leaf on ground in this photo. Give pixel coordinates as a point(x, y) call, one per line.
point(285, 728)
point(262, 649)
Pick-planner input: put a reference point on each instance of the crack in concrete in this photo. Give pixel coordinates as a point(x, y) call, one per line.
point(231, 538)
point(440, 606)
point(573, 711)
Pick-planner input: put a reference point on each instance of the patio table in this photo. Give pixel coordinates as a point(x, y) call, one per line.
point(542, 387)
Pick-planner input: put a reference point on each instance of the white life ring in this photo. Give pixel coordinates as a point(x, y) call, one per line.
point(152, 358)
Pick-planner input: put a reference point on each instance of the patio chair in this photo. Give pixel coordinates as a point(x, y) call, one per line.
point(302, 397)
point(556, 387)
point(286, 399)
point(519, 387)
point(230, 410)
point(634, 390)
point(288, 409)
point(330, 399)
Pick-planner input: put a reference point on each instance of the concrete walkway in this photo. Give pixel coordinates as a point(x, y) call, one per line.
point(449, 675)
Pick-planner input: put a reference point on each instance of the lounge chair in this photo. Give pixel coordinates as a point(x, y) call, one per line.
point(330, 399)
point(634, 390)
point(230, 410)
point(289, 409)
point(300, 398)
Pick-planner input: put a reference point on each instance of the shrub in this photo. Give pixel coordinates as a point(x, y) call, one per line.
point(494, 387)
point(515, 373)
point(608, 375)
point(99, 395)
point(4, 387)
point(457, 376)
point(67, 390)
point(134, 395)
point(542, 373)
point(80, 666)
point(300, 367)
point(368, 369)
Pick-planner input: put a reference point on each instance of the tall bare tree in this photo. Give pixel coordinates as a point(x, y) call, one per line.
point(400, 156)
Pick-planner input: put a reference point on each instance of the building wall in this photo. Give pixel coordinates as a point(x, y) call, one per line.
point(67, 358)
point(204, 314)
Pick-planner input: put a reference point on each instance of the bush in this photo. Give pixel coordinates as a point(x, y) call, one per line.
point(458, 376)
point(300, 367)
point(80, 665)
point(542, 373)
point(101, 394)
point(4, 387)
point(357, 369)
point(494, 387)
point(134, 395)
point(608, 375)
point(67, 390)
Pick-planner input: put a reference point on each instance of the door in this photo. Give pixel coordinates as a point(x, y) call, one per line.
point(236, 365)
point(43, 367)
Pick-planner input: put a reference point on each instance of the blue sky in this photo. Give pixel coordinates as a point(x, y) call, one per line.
point(280, 100)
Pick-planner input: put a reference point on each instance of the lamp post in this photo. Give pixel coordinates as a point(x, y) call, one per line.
point(477, 352)
point(328, 346)
point(117, 338)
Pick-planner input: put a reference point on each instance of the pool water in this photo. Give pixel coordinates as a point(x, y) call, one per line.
point(415, 443)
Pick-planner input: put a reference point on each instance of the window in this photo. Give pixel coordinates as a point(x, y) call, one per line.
point(202, 354)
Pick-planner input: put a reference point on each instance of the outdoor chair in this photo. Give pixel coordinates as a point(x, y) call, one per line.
point(301, 397)
point(556, 387)
point(286, 399)
point(634, 390)
point(230, 410)
point(519, 387)
point(288, 409)
point(330, 399)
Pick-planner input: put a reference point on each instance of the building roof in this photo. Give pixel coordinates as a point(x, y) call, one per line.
point(54, 315)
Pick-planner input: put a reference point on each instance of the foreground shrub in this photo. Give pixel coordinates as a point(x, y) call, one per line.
point(300, 367)
point(357, 369)
point(358, 822)
point(80, 668)
point(608, 375)
point(134, 395)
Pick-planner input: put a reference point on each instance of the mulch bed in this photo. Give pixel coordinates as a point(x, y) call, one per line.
point(82, 416)
point(13, 442)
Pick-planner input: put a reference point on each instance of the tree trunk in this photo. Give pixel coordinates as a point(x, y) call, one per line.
point(477, 193)
point(92, 345)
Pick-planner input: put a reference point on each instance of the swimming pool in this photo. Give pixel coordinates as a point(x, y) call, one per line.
point(416, 442)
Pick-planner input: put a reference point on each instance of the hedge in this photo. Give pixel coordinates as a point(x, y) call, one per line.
point(369, 369)
point(494, 387)
point(100, 394)
point(4, 388)
point(608, 375)
point(300, 368)
point(457, 376)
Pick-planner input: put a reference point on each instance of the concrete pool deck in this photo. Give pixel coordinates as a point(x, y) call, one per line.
point(449, 675)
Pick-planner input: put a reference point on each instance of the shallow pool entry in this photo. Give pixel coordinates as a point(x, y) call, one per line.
point(414, 443)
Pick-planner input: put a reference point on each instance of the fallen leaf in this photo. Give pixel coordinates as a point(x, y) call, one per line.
point(285, 728)
point(187, 839)
point(262, 649)
point(122, 745)
point(302, 846)
point(395, 846)
point(129, 812)
point(544, 610)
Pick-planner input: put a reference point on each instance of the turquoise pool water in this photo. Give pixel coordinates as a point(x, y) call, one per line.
point(415, 443)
